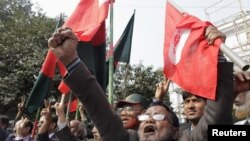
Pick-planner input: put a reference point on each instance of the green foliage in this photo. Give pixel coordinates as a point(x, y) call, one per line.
point(136, 79)
point(23, 45)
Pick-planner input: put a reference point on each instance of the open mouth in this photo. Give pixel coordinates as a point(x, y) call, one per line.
point(149, 129)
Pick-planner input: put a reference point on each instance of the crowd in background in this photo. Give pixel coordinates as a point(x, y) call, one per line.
point(134, 118)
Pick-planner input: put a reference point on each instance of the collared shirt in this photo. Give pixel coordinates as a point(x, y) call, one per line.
point(243, 122)
point(51, 135)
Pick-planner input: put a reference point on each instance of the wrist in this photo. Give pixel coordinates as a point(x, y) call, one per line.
point(156, 99)
point(69, 61)
point(73, 64)
point(61, 119)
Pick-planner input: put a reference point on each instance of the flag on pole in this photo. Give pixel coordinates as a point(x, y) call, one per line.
point(189, 60)
point(122, 49)
point(73, 105)
point(88, 17)
point(88, 23)
point(43, 83)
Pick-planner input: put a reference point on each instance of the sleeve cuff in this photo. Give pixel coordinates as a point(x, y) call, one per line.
point(155, 100)
point(73, 64)
point(18, 138)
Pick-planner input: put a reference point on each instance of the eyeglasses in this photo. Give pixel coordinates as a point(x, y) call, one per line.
point(156, 117)
point(128, 109)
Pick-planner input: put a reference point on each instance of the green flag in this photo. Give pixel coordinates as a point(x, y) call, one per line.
point(43, 83)
point(122, 49)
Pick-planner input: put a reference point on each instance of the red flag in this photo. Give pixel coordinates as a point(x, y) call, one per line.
point(64, 89)
point(88, 23)
point(189, 60)
point(87, 18)
point(73, 105)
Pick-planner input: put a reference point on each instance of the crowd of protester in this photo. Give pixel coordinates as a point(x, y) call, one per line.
point(135, 118)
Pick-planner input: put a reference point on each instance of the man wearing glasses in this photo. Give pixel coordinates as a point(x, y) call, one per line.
point(158, 123)
point(130, 108)
point(84, 85)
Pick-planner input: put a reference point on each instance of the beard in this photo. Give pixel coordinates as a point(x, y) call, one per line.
point(242, 111)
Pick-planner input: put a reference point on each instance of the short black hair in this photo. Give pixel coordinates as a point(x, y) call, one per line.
point(29, 124)
point(186, 95)
point(4, 120)
point(173, 117)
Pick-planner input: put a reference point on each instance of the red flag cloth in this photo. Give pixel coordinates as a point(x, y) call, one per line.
point(189, 60)
point(49, 65)
point(88, 23)
point(64, 89)
point(73, 105)
point(87, 18)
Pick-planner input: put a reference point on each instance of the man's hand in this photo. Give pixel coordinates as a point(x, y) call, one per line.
point(60, 110)
point(20, 127)
point(243, 75)
point(20, 105)
point(60, 106)
point(47, 111)
point(48, 117)
point(161, 89)
point(81, 110)
point(63, 43)
point(212, 33)
point(242, 82)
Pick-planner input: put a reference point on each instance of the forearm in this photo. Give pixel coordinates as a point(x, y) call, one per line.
point(87, 89)
point(218, 111)
point(221, 108)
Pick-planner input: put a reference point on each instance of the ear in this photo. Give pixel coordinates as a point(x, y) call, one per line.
point(28, 129)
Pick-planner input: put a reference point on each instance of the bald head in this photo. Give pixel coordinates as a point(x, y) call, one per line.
point(78, 129)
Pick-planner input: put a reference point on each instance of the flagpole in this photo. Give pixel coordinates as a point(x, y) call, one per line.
point(126, 79)
point(77, 110)
point(36, 123)
point(68, 108)
point(111, 59)
point(242, 64)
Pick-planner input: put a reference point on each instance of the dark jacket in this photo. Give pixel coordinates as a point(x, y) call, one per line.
point(65, 135)
point(12, 138)
point(45, 137)
point(87, 89)
point(109, 124)
point(3, 134)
